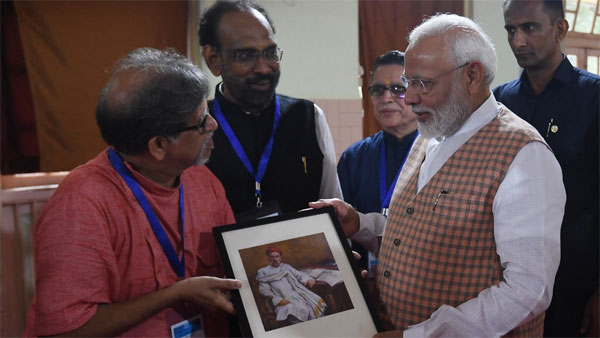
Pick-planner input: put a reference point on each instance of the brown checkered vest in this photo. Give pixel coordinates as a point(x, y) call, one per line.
point(439, 246)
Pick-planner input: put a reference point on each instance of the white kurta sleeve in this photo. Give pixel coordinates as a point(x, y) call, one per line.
point(299, 275)
point(372, 226)
point(330, 184)
point(528, 210)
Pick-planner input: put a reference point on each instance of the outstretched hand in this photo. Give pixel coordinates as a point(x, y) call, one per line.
point(347, 216)
point(209, 292)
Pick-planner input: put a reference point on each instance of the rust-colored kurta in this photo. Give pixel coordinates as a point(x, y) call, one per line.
point(94, 245)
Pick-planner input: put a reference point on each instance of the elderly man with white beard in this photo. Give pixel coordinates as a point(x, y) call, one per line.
point(471, 243)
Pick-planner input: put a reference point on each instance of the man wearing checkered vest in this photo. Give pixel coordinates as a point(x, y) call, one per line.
point(472, 239)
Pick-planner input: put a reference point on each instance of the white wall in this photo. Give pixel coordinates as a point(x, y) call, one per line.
point(319, 39)
point(488, 13)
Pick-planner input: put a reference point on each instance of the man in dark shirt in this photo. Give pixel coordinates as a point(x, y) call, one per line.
point(273, 153)
point(561, 102)
point(368, 169)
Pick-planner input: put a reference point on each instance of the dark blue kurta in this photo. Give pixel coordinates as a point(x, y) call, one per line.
point(358, 170)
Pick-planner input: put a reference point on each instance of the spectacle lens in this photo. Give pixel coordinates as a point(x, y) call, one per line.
point(250, 56)
point(396, 90)
point(200, 126)
point(423, 86)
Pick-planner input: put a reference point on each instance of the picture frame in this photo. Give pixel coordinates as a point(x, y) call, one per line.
point(309, 244)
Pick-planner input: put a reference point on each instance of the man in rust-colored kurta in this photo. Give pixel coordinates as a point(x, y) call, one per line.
point(471, 243)
point(125, 245)
point(99, 236)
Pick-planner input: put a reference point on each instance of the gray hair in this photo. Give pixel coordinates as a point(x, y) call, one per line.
point(467, 40)
point(151, 93)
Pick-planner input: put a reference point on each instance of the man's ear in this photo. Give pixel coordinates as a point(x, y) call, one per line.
point(212, 59)
point(562, 27)
point(157, 147)
point(475, 76)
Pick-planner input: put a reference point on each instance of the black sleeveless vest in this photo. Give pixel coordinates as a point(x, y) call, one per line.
point(293, 175)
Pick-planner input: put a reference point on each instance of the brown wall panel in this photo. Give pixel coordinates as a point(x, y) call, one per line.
point(383, 26)
point(69, 47)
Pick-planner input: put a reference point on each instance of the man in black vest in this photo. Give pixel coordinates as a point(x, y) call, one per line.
point(273, 153)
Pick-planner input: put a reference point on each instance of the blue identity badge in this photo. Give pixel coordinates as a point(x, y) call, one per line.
point(193, 327)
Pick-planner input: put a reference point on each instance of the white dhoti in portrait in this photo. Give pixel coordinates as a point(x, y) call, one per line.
point(285, 282)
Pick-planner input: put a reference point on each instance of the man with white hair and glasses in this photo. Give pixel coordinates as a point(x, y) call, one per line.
point(471, 242)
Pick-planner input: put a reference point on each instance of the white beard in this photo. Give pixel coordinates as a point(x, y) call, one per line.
point(201, 159)
point(446, 119)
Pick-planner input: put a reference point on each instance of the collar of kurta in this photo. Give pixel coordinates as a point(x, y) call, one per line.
point(564, 75)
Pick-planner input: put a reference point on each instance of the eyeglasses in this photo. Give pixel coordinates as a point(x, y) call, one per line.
point(200, 126)
point(422, 86)
point(249, 57)
point(377, 89)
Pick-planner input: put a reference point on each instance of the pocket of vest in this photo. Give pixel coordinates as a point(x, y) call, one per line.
point(458, 210)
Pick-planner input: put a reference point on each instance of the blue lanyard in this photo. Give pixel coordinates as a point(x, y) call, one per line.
point(235, 143)
point(177, 265)
point(385, 195)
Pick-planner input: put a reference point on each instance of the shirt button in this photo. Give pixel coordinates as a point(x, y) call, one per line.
point(382, 308)
point(386, 273)
point(396, 242)
point(410, 210)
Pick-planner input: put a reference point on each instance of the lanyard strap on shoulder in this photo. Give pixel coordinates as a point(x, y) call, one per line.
point(239, 150)
point(177, 265)
point(385, 193)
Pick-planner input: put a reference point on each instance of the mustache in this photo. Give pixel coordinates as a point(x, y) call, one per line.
point(262, 77)
point(523, 50)
point(210, 136)
point(417, 109)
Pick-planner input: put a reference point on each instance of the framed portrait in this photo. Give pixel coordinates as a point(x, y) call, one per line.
point(299, 277)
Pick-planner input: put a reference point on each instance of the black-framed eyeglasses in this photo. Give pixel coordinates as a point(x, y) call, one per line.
point(200, 126)
point(249, 57)
point(397, 90)
point(422, 86)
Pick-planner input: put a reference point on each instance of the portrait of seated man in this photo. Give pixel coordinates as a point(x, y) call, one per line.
point(297, 282)
point(289, 290)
